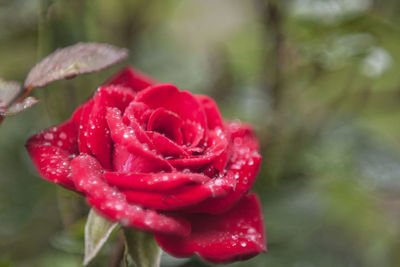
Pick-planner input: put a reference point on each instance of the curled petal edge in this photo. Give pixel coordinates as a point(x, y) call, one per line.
point(88, 177)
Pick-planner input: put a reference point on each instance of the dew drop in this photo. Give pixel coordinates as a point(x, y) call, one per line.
point(48, 136)
point(63, 136)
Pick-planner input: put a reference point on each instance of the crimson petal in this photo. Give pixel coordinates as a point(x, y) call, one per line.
point(131, 78)
point(235, 235)
point(139, 112)
point(183, 103)
point(52, 150)
point(153, 181)
point(214, 118)
point(165, 146)
point(99, 140)
point(184, 197)
point(166, 123)
point(88, 177)
point(244, 166)
point(124, 136)
point(81, 118)
point(217, 144)
point(138, 131)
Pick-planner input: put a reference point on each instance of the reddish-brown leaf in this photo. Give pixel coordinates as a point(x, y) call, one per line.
point(8, 91)
point(19, 107)
point(73, 60)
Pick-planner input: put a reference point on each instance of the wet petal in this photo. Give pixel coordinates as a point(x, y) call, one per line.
point(139, 112)
point(166, 147)
point(138, 153)
point(183, 103)
point(183, 197)
point(153, 181)
point(88, 177)
point(81, 119)
point(243, 165)
point(131, 78)
point(216, 145)
point(242, 133)
point(136, 116)
point(214, 118)
point(139, 131)
point(98, 139)
point(167, 123)
point(235, 235)
point(52, 150)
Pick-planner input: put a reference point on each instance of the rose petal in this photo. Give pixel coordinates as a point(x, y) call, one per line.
point(153, 181)
point(130, 117)
point(131, 78)
point(235, 235)
point(214, 118)
point(126, 161)
point(166, 123)
point(139, 153)
point(217, 144)
point(88, 177)
point(139, 112)
point(244, 166)
point(166, 147)
point(182, 198)
point(183, 103)
point(138, 129)
point(52, 150)
point(244, 133)
point(81, 119)
point(98, 139)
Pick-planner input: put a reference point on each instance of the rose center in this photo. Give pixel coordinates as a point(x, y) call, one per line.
point(166, 123)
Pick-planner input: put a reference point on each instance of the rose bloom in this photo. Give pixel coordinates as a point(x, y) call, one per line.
point(158, 159)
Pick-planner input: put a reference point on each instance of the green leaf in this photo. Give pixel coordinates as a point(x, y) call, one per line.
point(97, 231)
point(8, 91)
point(142, 247)
point(73, 60)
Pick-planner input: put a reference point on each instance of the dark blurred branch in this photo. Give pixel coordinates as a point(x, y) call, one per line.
point(221, 74)
point(271, 16)
point(118, 254)
point(43, 32)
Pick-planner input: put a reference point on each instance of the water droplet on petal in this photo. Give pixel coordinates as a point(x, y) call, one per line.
point(48, 136)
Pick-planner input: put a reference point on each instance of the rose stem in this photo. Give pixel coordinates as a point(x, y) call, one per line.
point(25, 94)
point(119, 251)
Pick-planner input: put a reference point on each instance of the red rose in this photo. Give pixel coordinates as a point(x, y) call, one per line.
point(161, 160)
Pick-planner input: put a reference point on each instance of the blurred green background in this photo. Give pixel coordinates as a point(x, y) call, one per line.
point(319, 79)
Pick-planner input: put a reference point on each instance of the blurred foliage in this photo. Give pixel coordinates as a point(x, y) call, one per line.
point(317, 78)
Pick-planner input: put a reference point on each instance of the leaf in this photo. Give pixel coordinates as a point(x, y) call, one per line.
point(73, 60)
point(18, 107)
point(97, 231)
point(142, 247)
point(8, 91)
